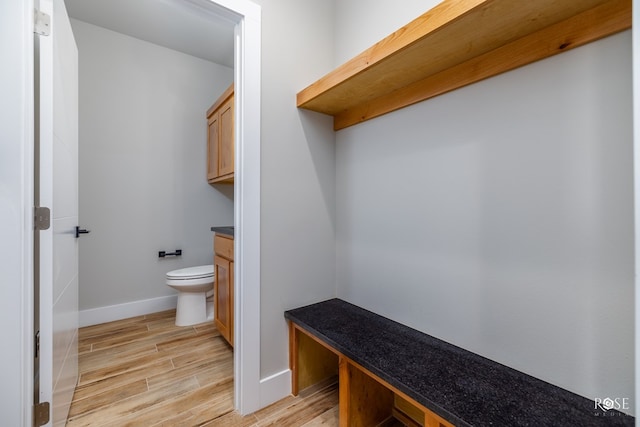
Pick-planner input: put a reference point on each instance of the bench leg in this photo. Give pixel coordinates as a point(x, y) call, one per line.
point(344, 385)
point(293, 358)
point(363, 400)
point(310, 362)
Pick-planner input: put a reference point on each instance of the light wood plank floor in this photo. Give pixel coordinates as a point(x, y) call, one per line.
point(145, 371)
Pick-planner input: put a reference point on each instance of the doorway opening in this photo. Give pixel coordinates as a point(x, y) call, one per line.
point(246, 192)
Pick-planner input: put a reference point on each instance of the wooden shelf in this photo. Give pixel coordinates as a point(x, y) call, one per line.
point(457, 43)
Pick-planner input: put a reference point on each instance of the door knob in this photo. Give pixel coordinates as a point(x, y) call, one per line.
point(80, 231)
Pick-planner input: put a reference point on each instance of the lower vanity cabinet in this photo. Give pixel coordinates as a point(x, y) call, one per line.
point(223, 286)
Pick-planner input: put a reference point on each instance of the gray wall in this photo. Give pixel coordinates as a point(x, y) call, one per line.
point(298, 171)
point(142, 165)
point(498, 217)
point(635, 31)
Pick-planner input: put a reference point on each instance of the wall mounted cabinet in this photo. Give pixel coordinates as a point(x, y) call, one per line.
point(220, 139)
point(457, 43)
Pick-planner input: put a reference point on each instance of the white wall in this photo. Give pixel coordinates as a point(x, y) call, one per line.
point(16, 157)
point(297, 171)
point(499, 217)
point(142, 165)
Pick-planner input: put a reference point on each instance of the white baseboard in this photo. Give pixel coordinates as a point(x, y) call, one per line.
point(95, 316)
point(275, 387)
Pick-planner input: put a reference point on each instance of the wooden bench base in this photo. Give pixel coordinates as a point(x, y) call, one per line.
point(365, 399)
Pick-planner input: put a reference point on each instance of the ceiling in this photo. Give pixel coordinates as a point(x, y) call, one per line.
point(183, 25)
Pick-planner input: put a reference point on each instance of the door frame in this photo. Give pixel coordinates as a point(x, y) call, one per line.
point(247, 76)
point(19, 245)
point(16, 210)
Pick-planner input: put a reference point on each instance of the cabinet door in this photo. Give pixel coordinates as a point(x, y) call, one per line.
point(222, 296)
point(213, 141)
point(225, 165)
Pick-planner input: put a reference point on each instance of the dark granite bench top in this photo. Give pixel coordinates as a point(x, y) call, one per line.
point(462, 387)
point(229, 231)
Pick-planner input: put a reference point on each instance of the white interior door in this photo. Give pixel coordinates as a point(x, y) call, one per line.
point(57, 188)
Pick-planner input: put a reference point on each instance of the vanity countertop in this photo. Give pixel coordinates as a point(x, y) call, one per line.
point(229, 230)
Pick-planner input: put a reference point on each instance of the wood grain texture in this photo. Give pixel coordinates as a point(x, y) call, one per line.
point(222, 297)
point(223, 286)
point(220, 139)
point(576, 31)
point(407, 409)
point(392, 45)
point(344, 400)
point(213, 146)
point(293, 358)
point(223, 246)
point(227, 146)
point(444, 45)
point(145, 371)
point(365, 399)
point(221, 100)
point(429, 415)
point(315, 362)
point(367, 402)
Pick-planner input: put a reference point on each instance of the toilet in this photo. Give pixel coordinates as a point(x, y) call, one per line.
point(194, 285)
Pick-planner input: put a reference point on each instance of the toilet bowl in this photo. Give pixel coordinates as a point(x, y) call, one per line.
point(194, 285)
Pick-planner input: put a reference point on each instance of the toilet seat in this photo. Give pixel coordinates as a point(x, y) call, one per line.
point(191, 276)
point(199, 272)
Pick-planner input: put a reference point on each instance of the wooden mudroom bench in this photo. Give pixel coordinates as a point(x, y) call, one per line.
point(386, 369)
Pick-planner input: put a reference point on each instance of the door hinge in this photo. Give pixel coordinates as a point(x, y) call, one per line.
point(41, 23)
point(41, 414)
point(36, 352)
point(42, 218)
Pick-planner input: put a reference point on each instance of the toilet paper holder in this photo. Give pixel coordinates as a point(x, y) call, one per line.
point(163, 254)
